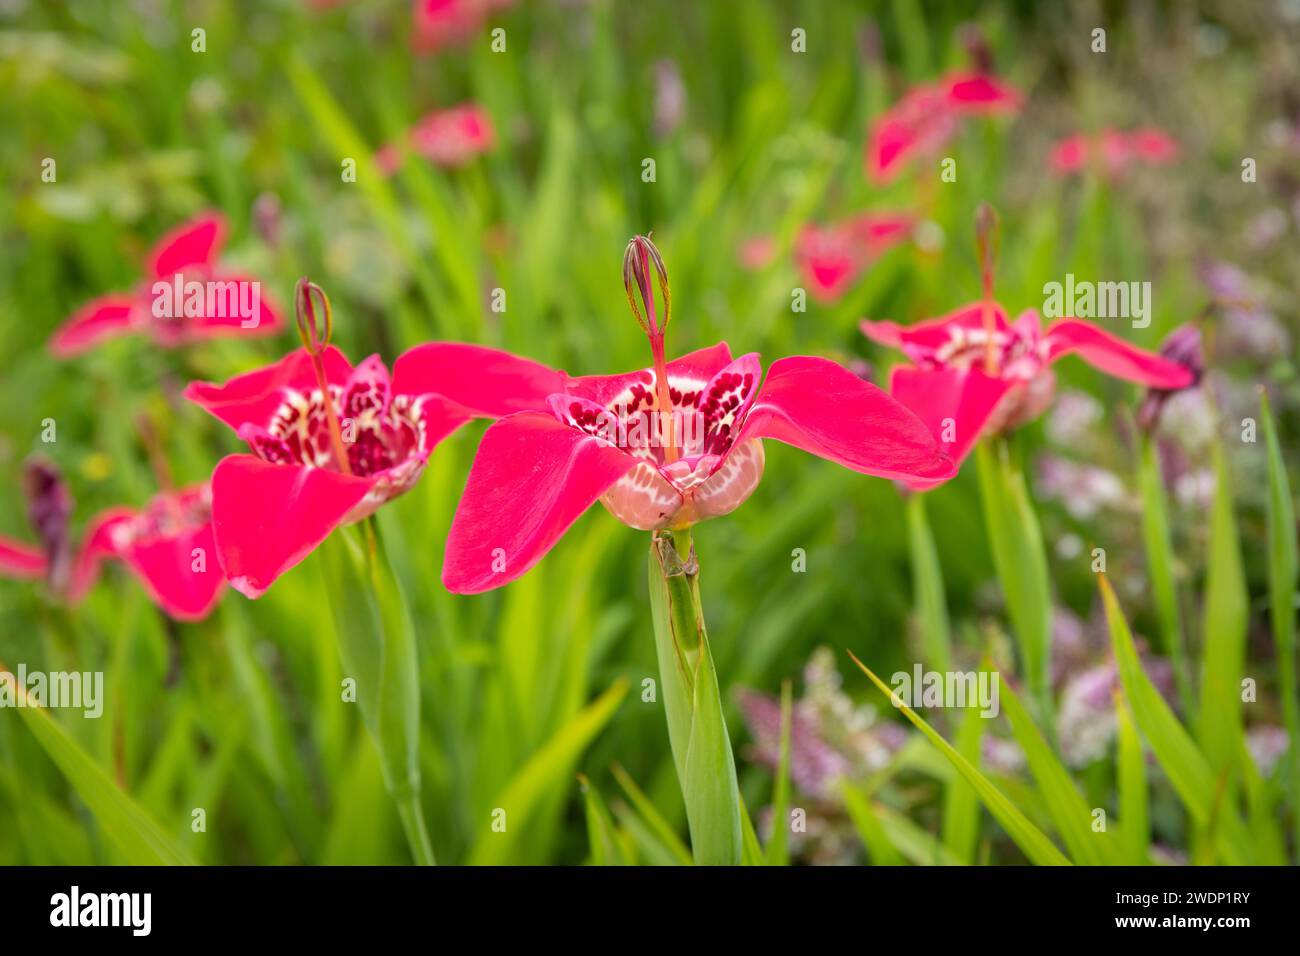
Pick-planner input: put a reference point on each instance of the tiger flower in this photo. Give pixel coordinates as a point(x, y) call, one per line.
point(187, 296)
point(975, 373)
point(329, 443)
point(665, 447)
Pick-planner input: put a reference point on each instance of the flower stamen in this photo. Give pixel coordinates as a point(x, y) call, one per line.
point(987, 236)
point(638, 258)
point(315, 343)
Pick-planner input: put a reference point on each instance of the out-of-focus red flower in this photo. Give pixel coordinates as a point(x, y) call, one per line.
point(437, 23)
point(189, 252)
point(450, 137)
point(974, 373)
point(168, 545)
point(831, 258)
point(928, 116)
point(1115, 150)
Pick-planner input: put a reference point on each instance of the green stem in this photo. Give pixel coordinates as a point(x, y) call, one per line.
point(1020, 558)
point(1159, 548)
point(927, 583)
point(376, 641)
point(697, 729)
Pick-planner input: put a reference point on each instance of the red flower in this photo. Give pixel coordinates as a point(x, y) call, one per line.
point(928, 116)
point(164, 305)
point(168, 545)
point(1116, 150)
point(21, 561)
point(600, 439)
point(330, 443)
point(450, 137)
point(974, 373)
point(440, 22)
point(831, 258)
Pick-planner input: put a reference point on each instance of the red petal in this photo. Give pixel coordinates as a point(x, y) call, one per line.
point(487, 382)
point(532, 478)
point(254, 396)
point(921, 339)
point(265, 319)
point(194, 243)
point(95, 321)
point(1114, 356)
point(97, 544)
point(19, 560)
point(166, 568)
point(267, 518)
point(949, 402)
point(700, 365)
point(981, 93)
point(826, 410)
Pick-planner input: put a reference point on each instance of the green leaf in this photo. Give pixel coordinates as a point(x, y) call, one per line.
point(1183, 764)
point(778, 850)
point(1070, 814)
point(524, 792)
point(1031, 840)
point(1226, 612)
point(653, 819)
point(1131, 774)
point(140, 839)
point(880, 849)
point(1021, 562)
point(602, 835)
point(961, 808)
point(1282, 572)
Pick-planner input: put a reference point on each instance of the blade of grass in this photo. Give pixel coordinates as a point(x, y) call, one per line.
point(1031, 840)
point(1131, 774)
point(880, 849)
point(778, 849)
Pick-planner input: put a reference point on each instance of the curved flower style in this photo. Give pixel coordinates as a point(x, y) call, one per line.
point(450, 137)
point(273, 506)
point(1116, 150)
point(975, 373)
point(601, 438)
point(229, 304)
point(928, 116)
point(441, 22)
point(168, 545)
point(831, 258)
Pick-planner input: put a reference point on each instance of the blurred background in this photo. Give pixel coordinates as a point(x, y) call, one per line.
point(753, 143)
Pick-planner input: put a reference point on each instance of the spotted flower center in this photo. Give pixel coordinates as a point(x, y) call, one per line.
point(377, 433)
point(1017, 355)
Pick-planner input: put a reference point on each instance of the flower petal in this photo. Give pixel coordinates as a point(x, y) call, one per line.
point(532, 478)
point(826, 410)
point(1113, 355)
point(980, 93)
point(97, 543)
point(953, 404)
point(698, 366)
point(263, 317)
point(21, 561)
point(95, 321)
point(166, 567)
point(488, 383)
point(191, 244)
point(254, 396)
point(920, 340)
point(266, 518)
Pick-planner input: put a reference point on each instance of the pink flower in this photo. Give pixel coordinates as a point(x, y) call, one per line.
point(974, 373)
point(20, 561)
point(536, 472)
point(831, 258)
point(1115, 150)
point(168, 545)
point(928, 116)
point(450, 137)
point(330, 443)
point(438, 23)
point(163, 305)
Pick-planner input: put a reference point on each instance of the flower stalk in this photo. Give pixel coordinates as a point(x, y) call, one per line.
point(697, 729)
